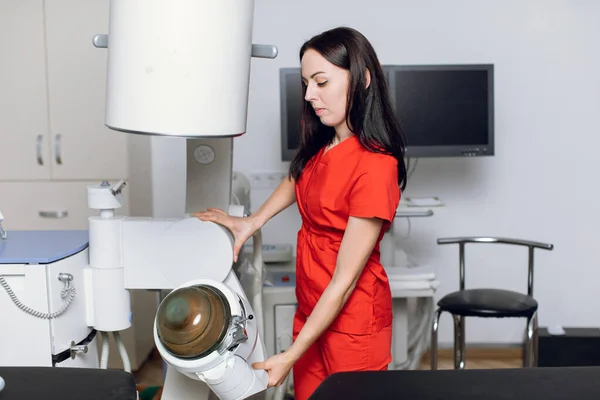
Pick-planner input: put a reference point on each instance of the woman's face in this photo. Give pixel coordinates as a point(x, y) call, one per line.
point(326, 89)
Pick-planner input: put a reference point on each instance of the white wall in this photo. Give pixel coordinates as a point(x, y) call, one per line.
point(536, 187)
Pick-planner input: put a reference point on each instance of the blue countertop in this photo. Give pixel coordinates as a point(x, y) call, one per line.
point(41, 247)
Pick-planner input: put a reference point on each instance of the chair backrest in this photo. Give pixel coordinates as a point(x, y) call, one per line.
point(461, 241)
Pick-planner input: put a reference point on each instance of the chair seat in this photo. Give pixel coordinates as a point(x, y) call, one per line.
point(491, 303)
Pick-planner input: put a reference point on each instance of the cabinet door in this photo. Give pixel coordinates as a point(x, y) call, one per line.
point(24, 147)
point(25, 340)
point(82, 147)
point(47, 205)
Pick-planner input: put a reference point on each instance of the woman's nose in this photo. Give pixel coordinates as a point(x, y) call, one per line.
point(310, 93)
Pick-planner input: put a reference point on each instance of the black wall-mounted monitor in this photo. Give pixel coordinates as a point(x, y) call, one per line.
point(292, 101)
point(444, 110)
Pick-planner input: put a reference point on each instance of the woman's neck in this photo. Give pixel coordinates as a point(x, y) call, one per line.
point(341, 133)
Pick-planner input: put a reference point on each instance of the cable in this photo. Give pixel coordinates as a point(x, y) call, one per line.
point(63, 277)
point(67, 291)
point(122, 351)
point(105, 351)
point(409, 170)
point(419, 335)
point(257, 261)
point(422, 344)
point(409, 224)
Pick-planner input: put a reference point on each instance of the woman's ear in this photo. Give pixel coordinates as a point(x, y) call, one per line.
point(367, 77)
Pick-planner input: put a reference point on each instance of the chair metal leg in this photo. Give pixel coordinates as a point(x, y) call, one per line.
point(459, 342)
point(531, 342)
point(535, 341)
point(463, 341)
point(434, 339)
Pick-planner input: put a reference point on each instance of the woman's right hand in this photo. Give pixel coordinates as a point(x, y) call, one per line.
point(242, 228)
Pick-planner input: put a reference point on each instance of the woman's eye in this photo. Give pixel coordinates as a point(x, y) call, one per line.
point(321, 83)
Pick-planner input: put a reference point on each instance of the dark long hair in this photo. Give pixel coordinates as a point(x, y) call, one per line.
point(369, 112)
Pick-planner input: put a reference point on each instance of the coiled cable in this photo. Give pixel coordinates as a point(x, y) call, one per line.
point(67, 292)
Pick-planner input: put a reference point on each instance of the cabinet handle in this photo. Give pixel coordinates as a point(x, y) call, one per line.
point(100, 41)
point(54, 214)
point(57, 141)
point(38, 149)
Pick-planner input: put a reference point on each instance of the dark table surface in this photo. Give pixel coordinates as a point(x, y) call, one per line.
point(576, 383)
point(38, 383)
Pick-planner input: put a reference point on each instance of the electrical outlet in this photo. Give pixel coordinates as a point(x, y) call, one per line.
point(266, 179)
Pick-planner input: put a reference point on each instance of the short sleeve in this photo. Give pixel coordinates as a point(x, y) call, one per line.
point(376, 193)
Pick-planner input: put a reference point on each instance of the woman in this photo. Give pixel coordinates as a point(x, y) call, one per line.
point(346, 179)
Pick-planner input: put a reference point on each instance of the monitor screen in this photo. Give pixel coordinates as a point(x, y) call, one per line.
point(444, 110)
point(291, 109)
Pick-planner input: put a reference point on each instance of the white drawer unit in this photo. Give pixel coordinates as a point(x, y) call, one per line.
point(46, 205)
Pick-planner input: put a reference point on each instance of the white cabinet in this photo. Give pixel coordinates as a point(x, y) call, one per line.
point(52, 91)
point(47, 205)
point(82, 146)
point(53, 141)
point(24, 138)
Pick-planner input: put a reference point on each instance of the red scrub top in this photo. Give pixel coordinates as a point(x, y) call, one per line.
point(345, 181)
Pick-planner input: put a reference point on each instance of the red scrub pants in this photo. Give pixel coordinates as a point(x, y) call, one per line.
point(338, 352)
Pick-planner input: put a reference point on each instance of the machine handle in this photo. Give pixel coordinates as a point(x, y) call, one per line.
point(38, 149)
point(264, 51)
point(57, 142)
point(258, 50)
point(54, 214)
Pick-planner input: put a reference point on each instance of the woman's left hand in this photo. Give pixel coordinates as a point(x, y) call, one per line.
point(278, 367)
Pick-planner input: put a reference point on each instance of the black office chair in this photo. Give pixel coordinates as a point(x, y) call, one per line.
point(488, 303)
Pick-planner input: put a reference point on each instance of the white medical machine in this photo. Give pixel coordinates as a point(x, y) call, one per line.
point(181, 69)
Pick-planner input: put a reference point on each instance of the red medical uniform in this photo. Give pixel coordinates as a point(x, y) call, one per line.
point(345, 181)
